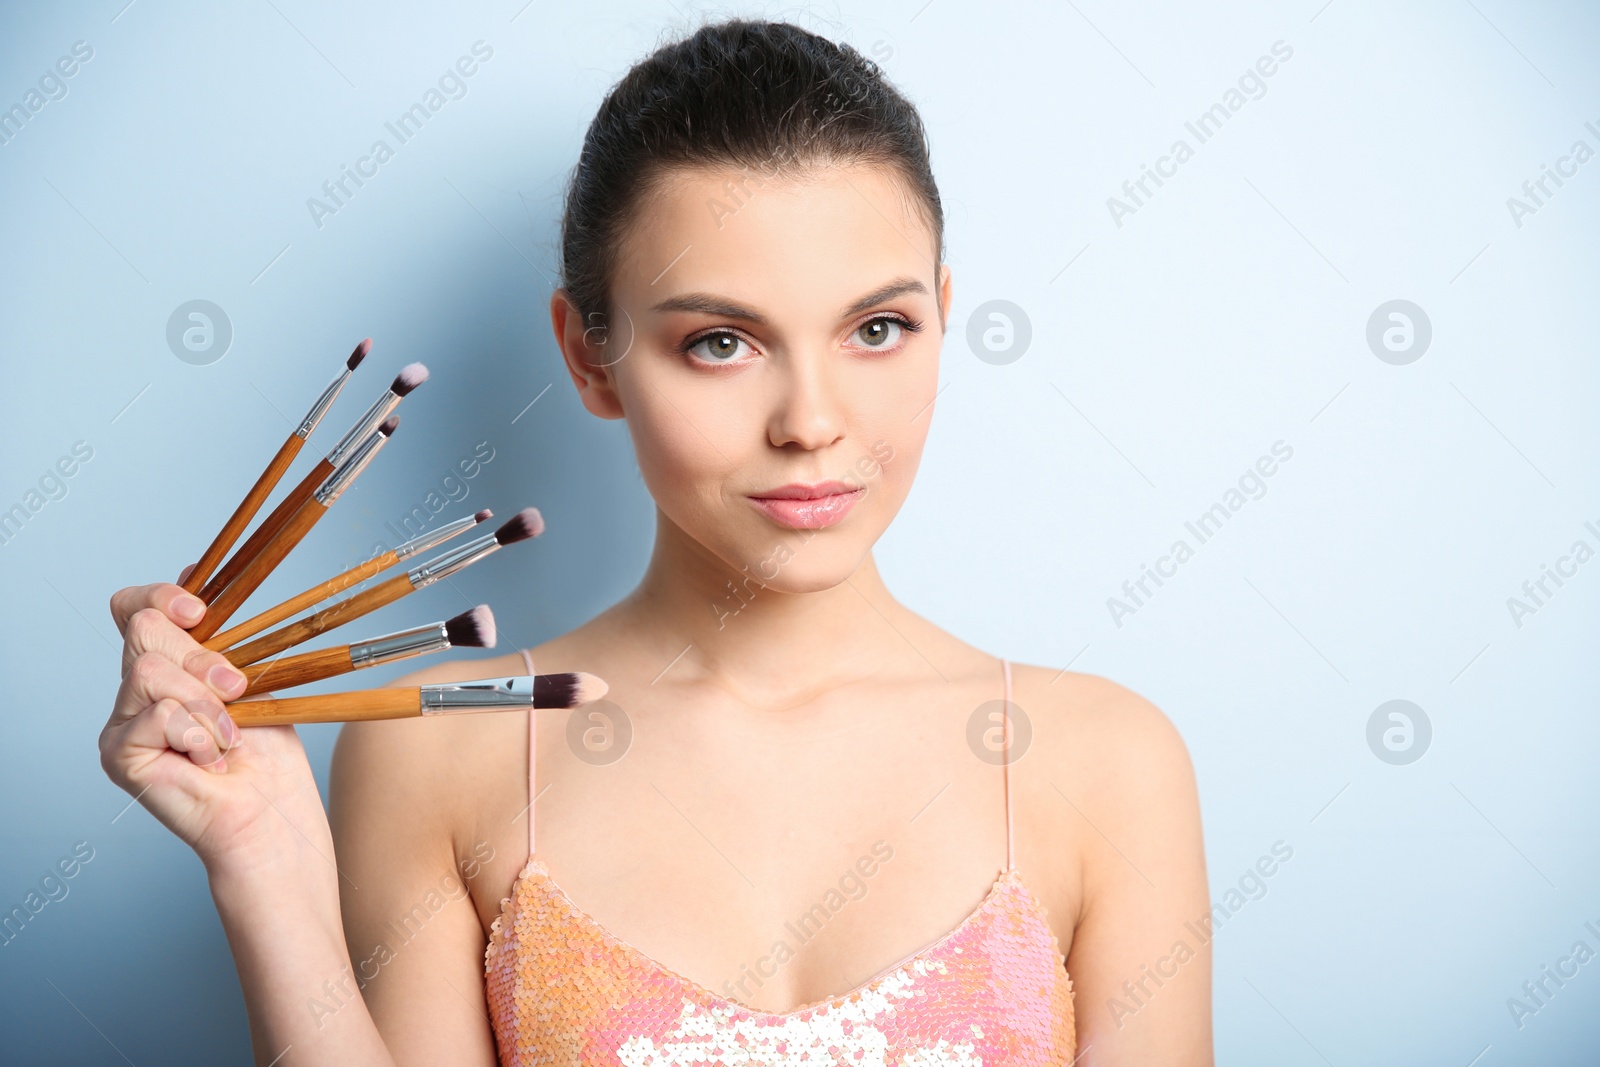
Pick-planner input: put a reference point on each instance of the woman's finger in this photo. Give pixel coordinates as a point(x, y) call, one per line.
point(181, 606)
point(153, 678)
point(149, 630)
point(168, 723)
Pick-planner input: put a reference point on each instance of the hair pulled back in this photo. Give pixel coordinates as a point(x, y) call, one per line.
point(749, 94)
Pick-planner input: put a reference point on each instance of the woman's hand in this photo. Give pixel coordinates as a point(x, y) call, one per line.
point(239, 803)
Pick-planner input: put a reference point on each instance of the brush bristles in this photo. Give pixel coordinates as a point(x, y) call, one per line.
point(410, 376)
point(483, 516)
point(358, 355)
point(523, 525)
point(567, 689)
point(472, 629)
point(590, 687)
point(389, 425)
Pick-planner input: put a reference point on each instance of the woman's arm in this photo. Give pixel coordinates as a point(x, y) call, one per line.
point(1141, 955)
point(247, 803)
point(401, 802)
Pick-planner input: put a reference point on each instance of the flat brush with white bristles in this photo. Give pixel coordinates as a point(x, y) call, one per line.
point(471, 629)
point(500, 693)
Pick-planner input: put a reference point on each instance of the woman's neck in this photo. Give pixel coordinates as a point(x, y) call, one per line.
point(774, 628)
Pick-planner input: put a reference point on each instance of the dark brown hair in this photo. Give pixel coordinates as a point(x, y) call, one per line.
point(741, 93)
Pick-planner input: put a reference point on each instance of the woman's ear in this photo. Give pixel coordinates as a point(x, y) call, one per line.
point(584, 349)
point(944, 296)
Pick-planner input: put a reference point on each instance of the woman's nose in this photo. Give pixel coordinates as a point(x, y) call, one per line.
point(808, 410)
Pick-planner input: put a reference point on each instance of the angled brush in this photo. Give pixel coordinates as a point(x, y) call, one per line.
point(270, 477)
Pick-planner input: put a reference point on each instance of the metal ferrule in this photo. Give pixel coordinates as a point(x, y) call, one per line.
point(320, 408)
point(446, 565)
point(364, 426)
point(437, 537)
point(340, 479)
point(487, 694)
point(400, 645)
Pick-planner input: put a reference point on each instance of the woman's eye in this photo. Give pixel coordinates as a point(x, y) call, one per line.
point(717, 347)
point(881, 333)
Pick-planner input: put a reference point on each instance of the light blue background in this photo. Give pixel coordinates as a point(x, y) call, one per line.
point(1167, 355)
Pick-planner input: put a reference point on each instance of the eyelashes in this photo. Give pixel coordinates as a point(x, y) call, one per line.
point(686, 349)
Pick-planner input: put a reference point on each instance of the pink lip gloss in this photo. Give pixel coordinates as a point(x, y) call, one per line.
point(809, 514)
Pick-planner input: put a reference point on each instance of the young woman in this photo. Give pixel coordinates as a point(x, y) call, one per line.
point(806, 825)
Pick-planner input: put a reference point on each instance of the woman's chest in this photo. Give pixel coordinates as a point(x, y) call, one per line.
point(776, 880)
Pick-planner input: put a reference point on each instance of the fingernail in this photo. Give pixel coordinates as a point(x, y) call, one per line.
point(230, 730)
point(189, 608)
point(226, 679)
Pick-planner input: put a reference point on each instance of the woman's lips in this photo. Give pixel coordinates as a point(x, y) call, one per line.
point(809, 514)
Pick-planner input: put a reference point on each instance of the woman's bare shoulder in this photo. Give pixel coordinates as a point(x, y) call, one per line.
point(1104, 744)
point(1088, 720)
point(442, 760)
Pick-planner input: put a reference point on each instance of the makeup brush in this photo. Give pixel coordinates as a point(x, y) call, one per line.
point(410, 376)
point(501, 693)
point(270, 477)
point(293, 532)
point(354, 576)
point(521, 526)
point(471, 629)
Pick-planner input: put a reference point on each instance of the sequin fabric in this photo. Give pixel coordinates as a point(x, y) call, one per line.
point(562, 989)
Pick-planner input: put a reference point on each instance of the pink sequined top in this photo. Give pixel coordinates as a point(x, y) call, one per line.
point(563, 990)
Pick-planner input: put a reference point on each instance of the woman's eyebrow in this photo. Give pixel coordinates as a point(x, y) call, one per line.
point(723, 307)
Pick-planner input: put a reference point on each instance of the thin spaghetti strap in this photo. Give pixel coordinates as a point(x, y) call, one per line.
point(1006, 759)
point(533, 755)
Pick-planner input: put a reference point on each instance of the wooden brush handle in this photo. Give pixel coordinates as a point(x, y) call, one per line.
point(295, 605)
point(244, 513)
point(267, 530)
point(257, 570)
point(289, 671)
point(326, 619)
point(359, 706)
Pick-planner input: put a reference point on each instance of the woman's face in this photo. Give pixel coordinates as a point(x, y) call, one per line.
point(768, 332)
